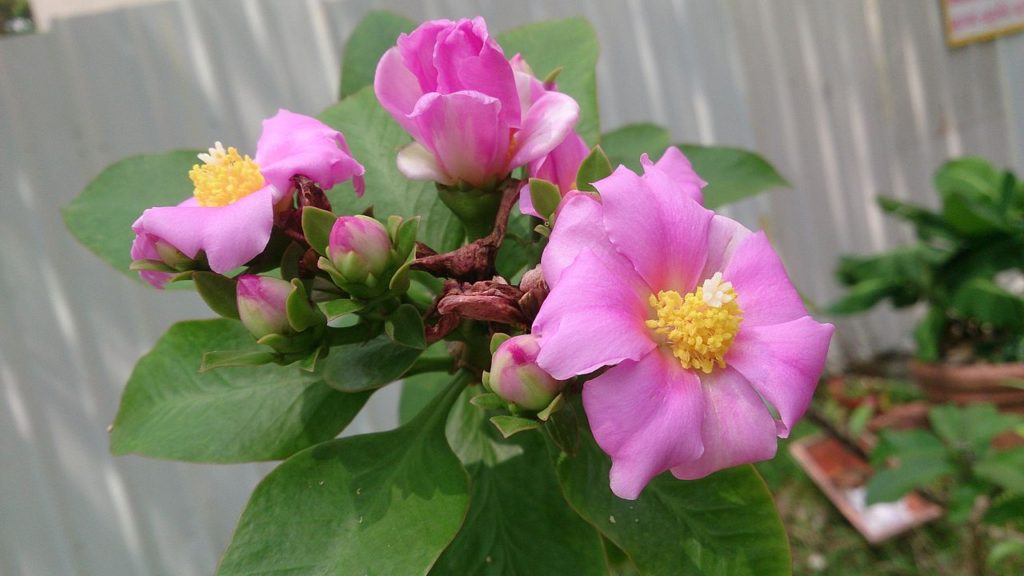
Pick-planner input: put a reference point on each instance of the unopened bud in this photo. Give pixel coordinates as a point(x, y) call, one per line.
point(172, 256)
point(262, 305)
point(359, 247)
point(516, 377)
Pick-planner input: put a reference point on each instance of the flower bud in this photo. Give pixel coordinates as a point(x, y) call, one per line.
point(359, 247)
point(516, 377)
point(262, 305)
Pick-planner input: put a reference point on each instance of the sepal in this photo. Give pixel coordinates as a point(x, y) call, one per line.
point(316, 226)
point(595, 166)
point(545, 197)
point(219, 292)
point(509, 426)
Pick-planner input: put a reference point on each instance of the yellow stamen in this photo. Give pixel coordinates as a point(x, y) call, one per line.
point(699, 327)
point(224, 177)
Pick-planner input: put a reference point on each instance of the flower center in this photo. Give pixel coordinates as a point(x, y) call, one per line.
point(224, 177)
point(699, 327)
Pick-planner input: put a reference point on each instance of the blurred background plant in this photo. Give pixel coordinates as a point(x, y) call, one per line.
point(964, 458)
point(15, 17)
point(965, 267)
point(969, 460)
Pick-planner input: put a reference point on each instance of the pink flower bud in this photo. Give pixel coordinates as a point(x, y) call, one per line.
point(473, 119)
point(359, 246)
point(261, 305)
point(516, 377)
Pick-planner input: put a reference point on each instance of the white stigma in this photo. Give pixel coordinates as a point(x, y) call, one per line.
point(216, 154)
point(716, 292)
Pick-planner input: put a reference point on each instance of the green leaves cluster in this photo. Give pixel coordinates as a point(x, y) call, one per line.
point(954, 266)
point(957, 461)
point(444, 493)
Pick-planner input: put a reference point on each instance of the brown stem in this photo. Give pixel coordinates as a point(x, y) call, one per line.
point(474, 261)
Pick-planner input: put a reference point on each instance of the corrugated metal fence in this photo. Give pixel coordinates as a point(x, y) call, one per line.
point(849, 99)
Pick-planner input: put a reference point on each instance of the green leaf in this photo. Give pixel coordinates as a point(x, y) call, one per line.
point(972, 177)
point(418, 391)
point(101, 216)
point(568, 44)
point(387, 190)
point(1003, 551)
point(367, 365)
point(302, 313)
point(723, 524)
point(594, 167)
point(518, 522)
point(405, 326)
point(927, 224)
point(907, 444)
point(928, 335)
point(625, 145)
point(1006, 509)
point(235, 358)
point(316, 227)
point(374, 34)
point(512, 425)
point(488, 401)
point(892, 484)
point(970, 190)
point(862, 296)
point(1004, 469)
point(732, 174)
point(170, 410)
point(497, 339)
point(386, 503)
point(984, 301)
point(962, 499)
point(340, 307)
point(520, 251)
point(974, 425)
point(219, 292)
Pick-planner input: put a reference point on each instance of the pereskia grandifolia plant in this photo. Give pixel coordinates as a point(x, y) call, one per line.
point(565, 333)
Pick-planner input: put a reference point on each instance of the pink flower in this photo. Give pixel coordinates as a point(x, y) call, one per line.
point(449, 85)
point(262, 304)
point(516, 378)
point(359, 247)
point(231, 213)
point(695, 317)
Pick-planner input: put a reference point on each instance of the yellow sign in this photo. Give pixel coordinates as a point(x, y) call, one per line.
point(969, 21)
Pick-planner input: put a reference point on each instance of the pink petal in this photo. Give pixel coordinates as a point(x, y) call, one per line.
point(417, 163)
point(292, 144)
point(663, 232)
point(724, 236)
point(578, 227)
point(467, 58)
point(546, 125)
point(465, 134)
point(562, 164)
point(763, 289)
point(143, 248)
point(783, 363)
point(737, 429)
point(647, 416)
point(397, 89)
point(674, 172)
point(417, 50)
point(594, 317)
point(526, 202)
point(527, 85)
point(230, 235)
